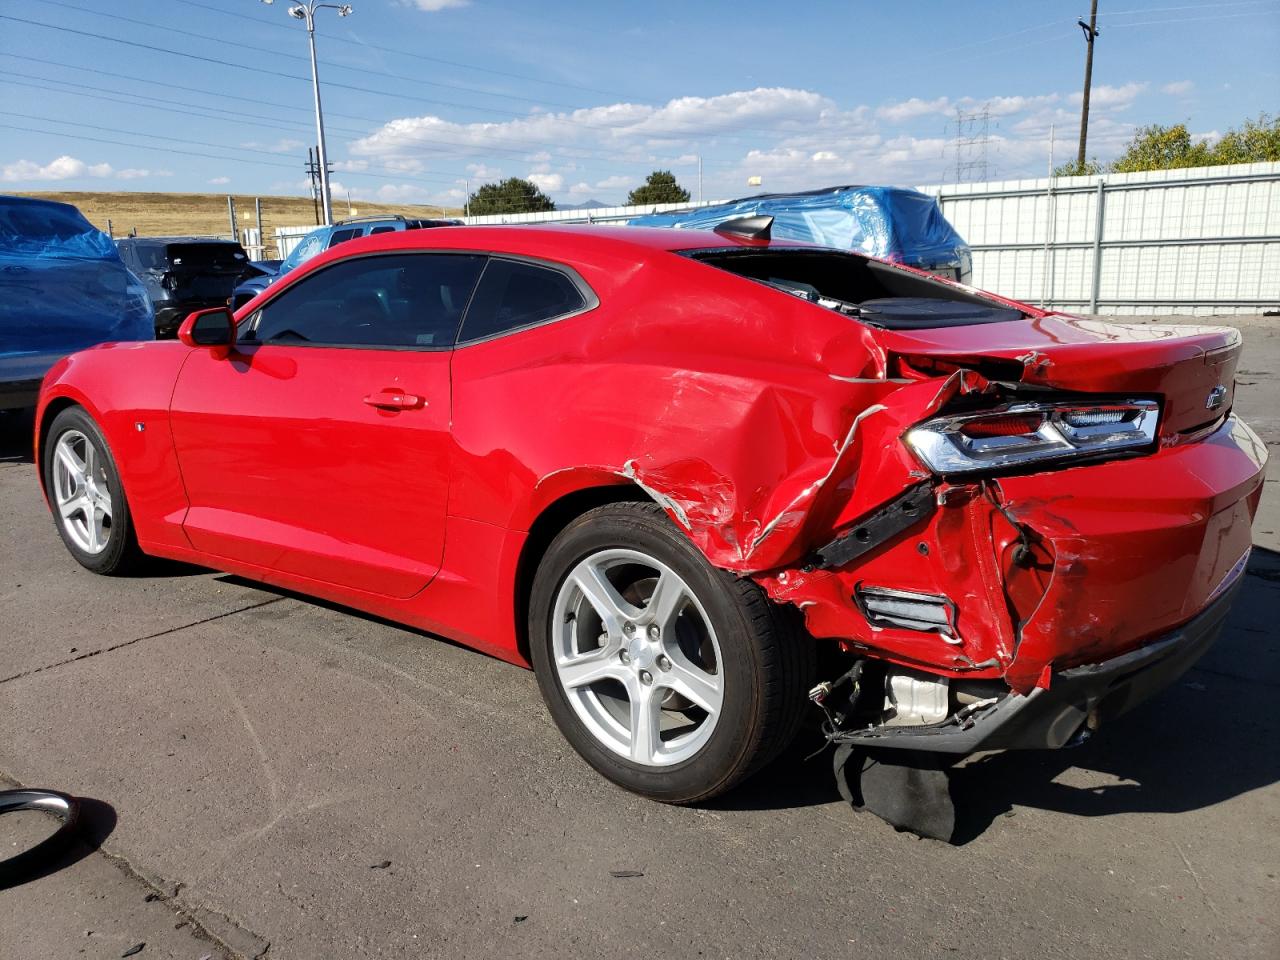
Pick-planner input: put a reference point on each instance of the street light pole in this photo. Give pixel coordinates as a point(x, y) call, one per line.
point(307, 12)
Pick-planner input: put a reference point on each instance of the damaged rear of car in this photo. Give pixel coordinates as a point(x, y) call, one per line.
point(1041, 523)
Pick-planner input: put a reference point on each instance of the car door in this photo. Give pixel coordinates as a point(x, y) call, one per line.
point(320, 446)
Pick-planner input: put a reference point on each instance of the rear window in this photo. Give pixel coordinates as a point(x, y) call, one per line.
point(217, 256)
point(868, 290)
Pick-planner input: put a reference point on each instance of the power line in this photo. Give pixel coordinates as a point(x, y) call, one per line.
point(418, 56)
point(365, 71)
point(419, 178)
point(478, 150)
point(733, 132)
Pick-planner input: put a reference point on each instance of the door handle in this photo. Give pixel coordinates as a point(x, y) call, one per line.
point(395, 400)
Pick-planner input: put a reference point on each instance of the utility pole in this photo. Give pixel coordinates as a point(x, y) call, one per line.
point(315, 190)
point(1090, 34)
point(307, 13)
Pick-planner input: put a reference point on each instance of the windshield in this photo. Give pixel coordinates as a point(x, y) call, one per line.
point(311, 244)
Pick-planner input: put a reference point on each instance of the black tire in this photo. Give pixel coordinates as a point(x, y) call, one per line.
point(121, 555)
point(766, 659)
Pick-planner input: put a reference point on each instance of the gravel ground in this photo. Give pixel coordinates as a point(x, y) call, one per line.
point(276, 777)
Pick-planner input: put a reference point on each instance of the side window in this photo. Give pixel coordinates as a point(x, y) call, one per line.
point(398, 300)
point(382, 230)
point(514, 294)
point(342, 236)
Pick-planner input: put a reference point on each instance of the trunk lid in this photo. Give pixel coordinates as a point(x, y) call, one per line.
point(1190, 368)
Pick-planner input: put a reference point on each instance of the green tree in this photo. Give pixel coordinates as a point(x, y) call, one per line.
point(512, 195)
point(1073, 169)
point(1157, 147)
point(659, 187)
point(1256, 141)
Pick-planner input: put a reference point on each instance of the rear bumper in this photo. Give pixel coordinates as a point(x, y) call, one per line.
point(1076, 701)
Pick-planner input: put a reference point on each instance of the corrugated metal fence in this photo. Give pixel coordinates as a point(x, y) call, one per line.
point(1202, 240)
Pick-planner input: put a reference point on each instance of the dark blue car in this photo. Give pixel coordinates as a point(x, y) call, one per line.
point(63, 287)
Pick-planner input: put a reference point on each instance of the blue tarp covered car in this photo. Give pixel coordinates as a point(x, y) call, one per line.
point(893, 223)
point(63, 287)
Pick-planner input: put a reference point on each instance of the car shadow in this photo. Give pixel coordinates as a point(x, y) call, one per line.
point(17, 431)
point(96, 822)
point(1206, 739)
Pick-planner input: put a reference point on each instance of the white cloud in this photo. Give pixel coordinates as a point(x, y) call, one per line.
point(1177, 88)
point(912, 109)
point(915, 108)
point(220, 181)
point(62, 168)
point(547, 182)
point(824, 156)
point(1116, 98)
point(617, 182)
point(350, 166)
point(615, 127)
point(401, 193)
point(434, 6)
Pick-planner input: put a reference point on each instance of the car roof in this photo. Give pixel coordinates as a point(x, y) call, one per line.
point(170, 240)
point(560, 241)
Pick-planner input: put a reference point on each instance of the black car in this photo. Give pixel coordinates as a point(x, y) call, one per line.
point(183, 274)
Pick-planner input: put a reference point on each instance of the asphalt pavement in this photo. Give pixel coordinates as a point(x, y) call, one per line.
point(274, 776)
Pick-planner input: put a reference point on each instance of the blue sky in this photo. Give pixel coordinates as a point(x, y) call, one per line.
point(424, 96)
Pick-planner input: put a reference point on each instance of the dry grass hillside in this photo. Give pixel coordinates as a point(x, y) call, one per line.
point(205, 214)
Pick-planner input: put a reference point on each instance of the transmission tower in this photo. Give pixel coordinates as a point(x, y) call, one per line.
point(973, 134)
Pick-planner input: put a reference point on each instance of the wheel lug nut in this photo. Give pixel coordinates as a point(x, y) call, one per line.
point(628, 628)
point(646, 676)
point(654, 632)
point(664, 663)
point(624, 656)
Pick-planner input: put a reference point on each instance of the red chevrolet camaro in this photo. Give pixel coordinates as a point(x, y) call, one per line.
point(674, 471)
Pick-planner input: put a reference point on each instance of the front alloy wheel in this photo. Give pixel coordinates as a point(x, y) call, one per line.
point(84, 490)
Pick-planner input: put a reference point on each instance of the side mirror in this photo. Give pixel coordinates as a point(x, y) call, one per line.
point(215, 327)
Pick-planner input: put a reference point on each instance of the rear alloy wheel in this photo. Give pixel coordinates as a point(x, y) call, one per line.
point(84, 491)
point(672, 678)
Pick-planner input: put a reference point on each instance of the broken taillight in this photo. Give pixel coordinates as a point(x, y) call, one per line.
point(1027, 433)
point(1011, 425)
